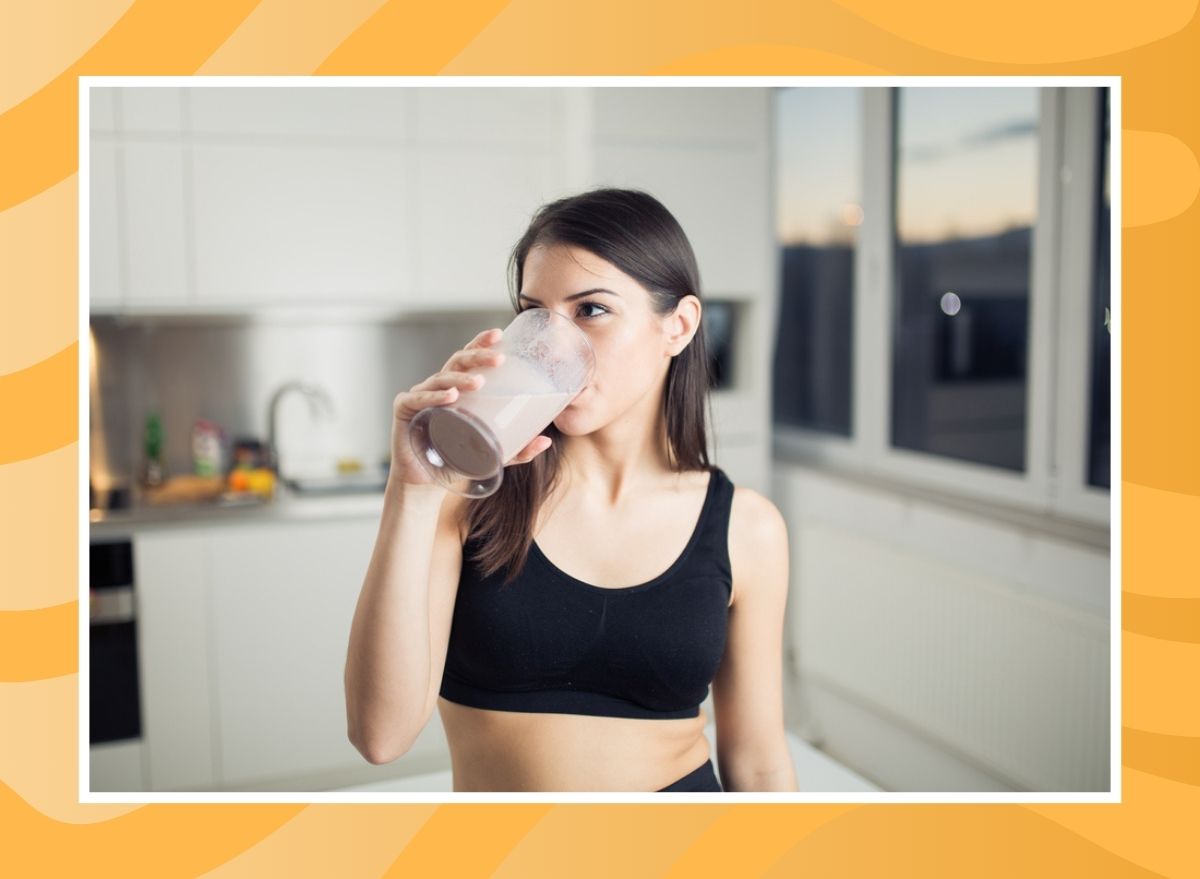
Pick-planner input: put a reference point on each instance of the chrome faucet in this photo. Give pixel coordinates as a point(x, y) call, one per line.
point(318, 400)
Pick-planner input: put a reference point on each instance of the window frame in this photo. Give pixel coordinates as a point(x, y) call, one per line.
point(1058, 367)
point(1075, 496)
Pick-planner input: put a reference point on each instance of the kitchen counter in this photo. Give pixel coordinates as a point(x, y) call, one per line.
point(286, 505)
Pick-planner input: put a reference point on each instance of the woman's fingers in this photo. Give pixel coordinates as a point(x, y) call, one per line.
point(451, 380)
point(410, 403)
point(474, 356)
point(536, 446)
point(487, 337)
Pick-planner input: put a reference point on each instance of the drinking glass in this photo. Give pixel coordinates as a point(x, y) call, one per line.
point(465, 445)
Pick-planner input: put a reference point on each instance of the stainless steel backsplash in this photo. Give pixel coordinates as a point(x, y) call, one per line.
point(225, 370)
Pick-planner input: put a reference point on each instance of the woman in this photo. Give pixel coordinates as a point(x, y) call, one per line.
point(568, 627)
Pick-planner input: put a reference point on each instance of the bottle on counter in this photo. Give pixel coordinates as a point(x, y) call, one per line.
point(153, 468)
point(208, 445)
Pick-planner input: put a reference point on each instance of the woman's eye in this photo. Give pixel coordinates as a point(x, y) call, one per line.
point(603, 310)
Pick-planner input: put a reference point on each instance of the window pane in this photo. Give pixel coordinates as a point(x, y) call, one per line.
point(1098, 432)
point(817, 137)
point(966, 197)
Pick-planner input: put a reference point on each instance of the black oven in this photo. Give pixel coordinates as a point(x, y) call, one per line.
point(115, 703)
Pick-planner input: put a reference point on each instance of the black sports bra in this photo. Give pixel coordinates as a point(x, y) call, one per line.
point(549, 642)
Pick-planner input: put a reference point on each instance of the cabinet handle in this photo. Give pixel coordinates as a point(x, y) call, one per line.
point(112, 605)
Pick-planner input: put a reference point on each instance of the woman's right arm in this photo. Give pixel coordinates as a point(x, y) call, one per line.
point(389, 674)
point(401, 626)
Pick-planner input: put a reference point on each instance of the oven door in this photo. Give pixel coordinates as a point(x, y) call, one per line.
point(115, 703)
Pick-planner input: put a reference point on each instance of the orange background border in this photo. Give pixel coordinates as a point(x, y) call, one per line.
point(45, 47)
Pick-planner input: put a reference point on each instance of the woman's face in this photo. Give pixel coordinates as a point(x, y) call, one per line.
point(633, 346)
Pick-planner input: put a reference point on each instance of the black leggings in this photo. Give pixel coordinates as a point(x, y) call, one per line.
point(703, 778)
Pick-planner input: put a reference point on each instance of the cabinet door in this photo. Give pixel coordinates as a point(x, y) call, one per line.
point(283, 599)
point(173, 658)
point(732, 116)
point(102, 110)
point(104, 238)
point(155, 249)
point(721, 198)
point(297, 113)
point(154, 110)
point(487, 158)
point(137, 216)
point(466, 117)
point(117, 766)
point(705, 154)
point(474, 205)
point(300, 224)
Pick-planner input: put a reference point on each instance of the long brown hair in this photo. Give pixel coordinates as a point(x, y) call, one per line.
point(634, 232)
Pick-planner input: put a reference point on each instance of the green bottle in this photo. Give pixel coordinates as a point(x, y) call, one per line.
point(152, 442)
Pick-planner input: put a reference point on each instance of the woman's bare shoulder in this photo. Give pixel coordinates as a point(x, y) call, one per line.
point(758, 537)
point(753, 516)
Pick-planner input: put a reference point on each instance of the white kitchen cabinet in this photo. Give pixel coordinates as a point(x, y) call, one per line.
point(467, 117)
point(283, 597)
point(301, 224)
point(294, 114)
point(102, 110)
point(155, 222)
point(682, 116)
point(473, 205)
point(174, 658)
point(704, 153)
point(104, 236)
point(242, 639)
point(117, 766)
point(283, 600)
point(150, 110)
point(721, 198)
point(486, 159)
point(243, 199)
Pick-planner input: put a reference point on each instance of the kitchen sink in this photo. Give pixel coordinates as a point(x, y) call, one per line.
point(344, 483)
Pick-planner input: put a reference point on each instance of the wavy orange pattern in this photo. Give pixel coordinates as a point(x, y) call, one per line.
point(39, 644)
point(40, 134)
point(44, 401)
point(1152, 47)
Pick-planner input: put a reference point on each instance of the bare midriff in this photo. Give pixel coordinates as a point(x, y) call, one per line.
point(526, 751)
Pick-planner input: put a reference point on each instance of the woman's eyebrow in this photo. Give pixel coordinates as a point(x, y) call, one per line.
point(573, 296)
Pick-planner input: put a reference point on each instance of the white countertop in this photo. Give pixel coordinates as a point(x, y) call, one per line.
point(286, 505)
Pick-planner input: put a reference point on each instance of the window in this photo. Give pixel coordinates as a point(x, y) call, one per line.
point(965, 203)
point(818, 134)
point(944, 285)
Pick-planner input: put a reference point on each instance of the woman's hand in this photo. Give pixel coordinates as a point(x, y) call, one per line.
point(441, 389)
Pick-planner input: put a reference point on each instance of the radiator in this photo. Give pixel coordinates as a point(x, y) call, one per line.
point(1008, 680)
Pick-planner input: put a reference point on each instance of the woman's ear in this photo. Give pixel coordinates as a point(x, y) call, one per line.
point(683, 323)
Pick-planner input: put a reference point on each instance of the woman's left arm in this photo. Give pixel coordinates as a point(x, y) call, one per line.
point(752, 748)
